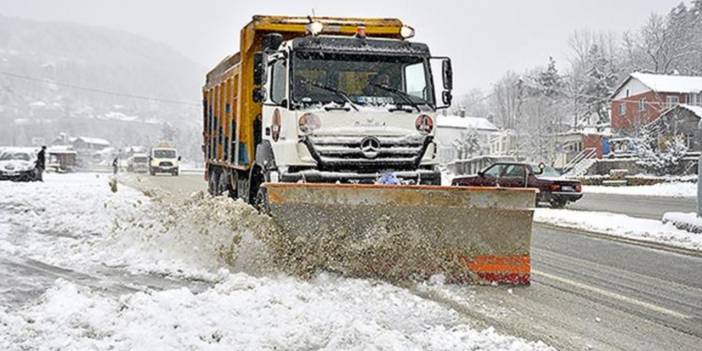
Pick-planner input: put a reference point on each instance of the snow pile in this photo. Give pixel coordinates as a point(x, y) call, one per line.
point(59, 220)
point(244, 313)
point(676, 189)
point(685, 221)
point(194, 238)
point(621, 225)
point(75, 221)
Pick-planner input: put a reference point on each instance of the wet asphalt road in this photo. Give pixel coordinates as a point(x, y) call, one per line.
point(587, 292)
point(652, 207)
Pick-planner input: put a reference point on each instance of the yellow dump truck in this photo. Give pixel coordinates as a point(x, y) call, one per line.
point(328, 124)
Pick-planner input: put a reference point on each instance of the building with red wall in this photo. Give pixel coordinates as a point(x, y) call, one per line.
point(643, 97)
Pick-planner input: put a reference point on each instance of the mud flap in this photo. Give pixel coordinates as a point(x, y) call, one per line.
point(470, 235)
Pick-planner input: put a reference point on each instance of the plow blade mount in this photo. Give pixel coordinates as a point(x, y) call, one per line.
point(470, 235)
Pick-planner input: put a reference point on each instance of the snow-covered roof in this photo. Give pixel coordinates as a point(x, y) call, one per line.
point(697, 110)
point(666, 83)
point(94, 141)
point(61, 149)
point(477, 123)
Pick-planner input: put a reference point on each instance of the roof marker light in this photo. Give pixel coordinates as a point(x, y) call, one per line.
point(314, 28)
point(406, 32)
point(361, 32)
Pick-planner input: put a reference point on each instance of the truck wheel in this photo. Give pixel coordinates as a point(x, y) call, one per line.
point(175, 172)
point(212, 183)
point(261, 201)
point(223, 184)
point(152, 172)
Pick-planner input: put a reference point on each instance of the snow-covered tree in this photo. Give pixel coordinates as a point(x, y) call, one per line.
point(661, 156)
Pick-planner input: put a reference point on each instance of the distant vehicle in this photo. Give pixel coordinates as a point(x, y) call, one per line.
point(138, 163)
point(18, 165)
point(553, 188)
point(164, 159)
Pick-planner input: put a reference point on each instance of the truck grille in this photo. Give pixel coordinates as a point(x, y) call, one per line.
point(166, 164)
point(378, 152)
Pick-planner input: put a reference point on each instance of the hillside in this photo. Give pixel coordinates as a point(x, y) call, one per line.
point(73, 55)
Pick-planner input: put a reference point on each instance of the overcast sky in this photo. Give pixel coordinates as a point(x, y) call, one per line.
point(484, 38)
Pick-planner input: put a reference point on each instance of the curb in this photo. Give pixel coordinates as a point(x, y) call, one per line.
point(638, 242)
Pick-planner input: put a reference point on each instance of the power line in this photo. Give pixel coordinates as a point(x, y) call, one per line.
point(101, 91)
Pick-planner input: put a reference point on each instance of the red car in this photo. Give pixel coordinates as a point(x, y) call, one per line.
point(553, 188)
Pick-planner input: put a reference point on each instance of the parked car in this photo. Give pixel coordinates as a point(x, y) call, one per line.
point(18, 165)
point(553, 187)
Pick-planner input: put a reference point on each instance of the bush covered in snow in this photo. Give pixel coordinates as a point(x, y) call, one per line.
point(661, 157)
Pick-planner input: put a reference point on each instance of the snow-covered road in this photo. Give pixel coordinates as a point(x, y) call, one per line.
point(92, 269)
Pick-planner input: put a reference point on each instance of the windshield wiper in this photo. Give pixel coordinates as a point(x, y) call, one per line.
point(336, 91)
point(403, 95)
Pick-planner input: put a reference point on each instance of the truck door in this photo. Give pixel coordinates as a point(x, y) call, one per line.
point(276, 102)
point(513, 176)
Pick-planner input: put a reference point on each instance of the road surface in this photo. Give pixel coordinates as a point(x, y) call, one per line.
point(586, 292)
point(652, 207)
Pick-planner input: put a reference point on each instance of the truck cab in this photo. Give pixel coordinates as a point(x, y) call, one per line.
point(164, 159)
point(349, 109)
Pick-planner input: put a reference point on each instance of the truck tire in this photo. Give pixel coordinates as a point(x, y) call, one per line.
point(223, 184)
point(152, 172)
point(175, 172)
point(212, 183)
point(261, 201)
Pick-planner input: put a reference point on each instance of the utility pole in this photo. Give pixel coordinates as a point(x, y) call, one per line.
point(699, 177)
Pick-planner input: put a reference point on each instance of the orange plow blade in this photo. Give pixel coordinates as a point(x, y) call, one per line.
point(469, 235)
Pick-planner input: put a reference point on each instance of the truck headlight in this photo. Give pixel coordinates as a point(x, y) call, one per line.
point(309, 122)
point(424, 124)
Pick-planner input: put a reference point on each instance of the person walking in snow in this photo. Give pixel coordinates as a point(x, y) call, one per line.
point(115, 165)
point(41, 163)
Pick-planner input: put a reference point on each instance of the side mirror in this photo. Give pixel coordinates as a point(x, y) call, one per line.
point(271, 41)
point(481, 174)
point(447, 74)
point(259, 73)
point(259, 95)
point(446, 97)
point(179, 158)
point(541, 169)
point(446, 78)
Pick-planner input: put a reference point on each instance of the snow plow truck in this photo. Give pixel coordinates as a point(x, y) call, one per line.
point(327, 125)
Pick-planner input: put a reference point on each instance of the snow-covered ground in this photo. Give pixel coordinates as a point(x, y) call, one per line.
point(621, 225)
point(673, 189)
point(77, 223)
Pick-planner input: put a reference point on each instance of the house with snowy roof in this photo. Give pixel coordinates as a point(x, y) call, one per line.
point(679, 121)
point(643, 97)
point(462, 136)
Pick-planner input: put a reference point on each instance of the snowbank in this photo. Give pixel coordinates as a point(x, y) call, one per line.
point(246, 313)
point(75, 221)
point(677, 189)
point(621, 225)
point(685, 221)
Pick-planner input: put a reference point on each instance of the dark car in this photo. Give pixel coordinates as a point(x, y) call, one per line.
point(553, 188)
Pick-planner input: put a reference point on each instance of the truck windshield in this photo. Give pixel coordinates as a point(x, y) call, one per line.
point(164, 153)
point(365, 79)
